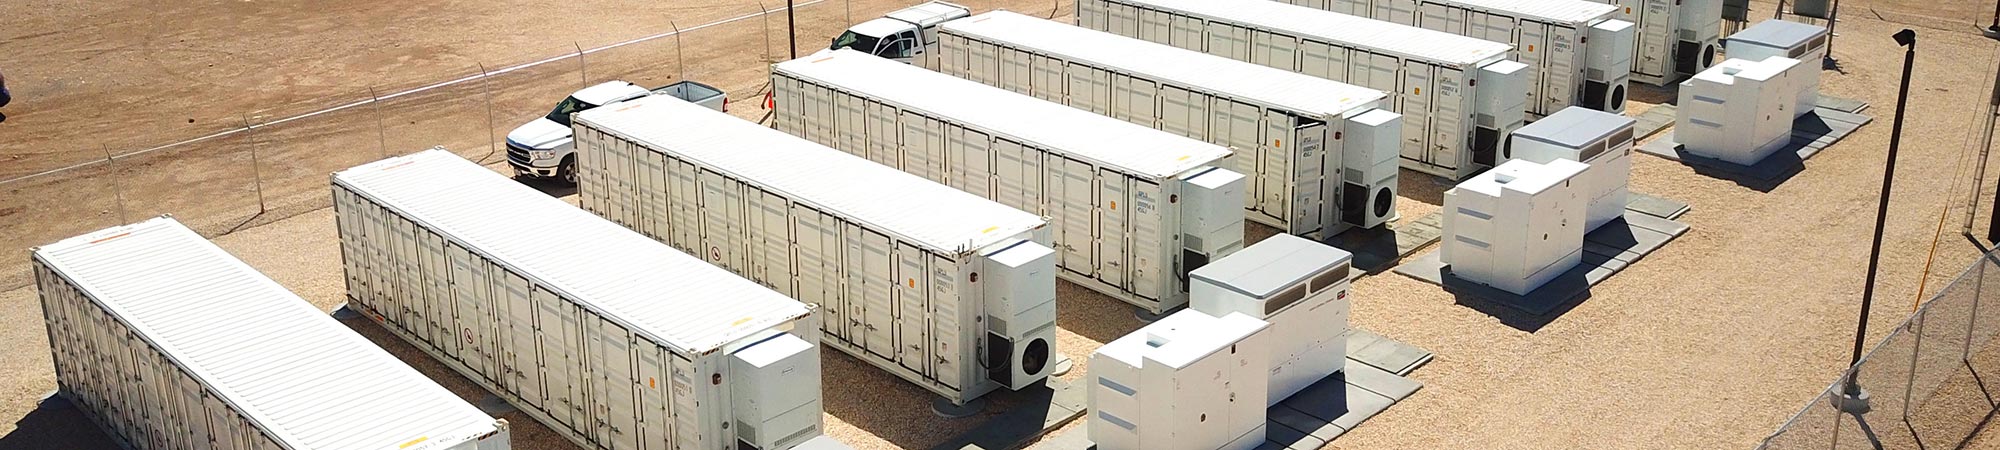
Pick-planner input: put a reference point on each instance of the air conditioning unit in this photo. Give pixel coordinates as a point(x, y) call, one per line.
point(1806, 43)
point(1211, 203)
point(1370, 143)
point(1189, 381)
point(777, 401)
point(1021, 322)
point(1602, 140)
point(1698, 34)
point(1499, 109)
point(1608, 71)
point(1297, 285)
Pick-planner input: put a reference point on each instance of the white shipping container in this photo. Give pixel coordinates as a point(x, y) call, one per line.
point(168, 342)
point(1676, 38)
point(1189, 381)
point(1296, 164)
point(1459, 96)
point(612, 340)
point(1551, 36)
point(917, 278)
point(1134, 208)
point(1297, 285)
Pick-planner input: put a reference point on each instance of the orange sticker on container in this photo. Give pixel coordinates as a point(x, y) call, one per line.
point(913, 282)
point(1277, 143)
point(1419, 91)
point(1531, 47)
point(651, 383)
point(1114, 204)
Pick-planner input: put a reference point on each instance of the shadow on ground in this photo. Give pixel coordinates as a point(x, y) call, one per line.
point(56, 424)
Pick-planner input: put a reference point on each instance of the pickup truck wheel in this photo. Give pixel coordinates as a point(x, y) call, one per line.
point(567, 171)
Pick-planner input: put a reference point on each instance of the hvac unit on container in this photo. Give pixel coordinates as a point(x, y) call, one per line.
point(1806, 43)
point(1297, 285)
point(1602, 140)
point(1515, 227)
point(1459, 96)
point(166, 341)
point(949, 291)
point(1187, 381)
point(1676, 39)
point(1741, 111)
point(1577, 55)
point(609, 338)
point(1320, 154)
point(1134, 208)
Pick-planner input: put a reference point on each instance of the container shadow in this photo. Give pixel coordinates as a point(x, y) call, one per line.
point(56, 423)
point(555, 188)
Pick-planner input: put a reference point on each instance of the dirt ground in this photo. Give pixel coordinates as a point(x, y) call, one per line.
point(1712, 342)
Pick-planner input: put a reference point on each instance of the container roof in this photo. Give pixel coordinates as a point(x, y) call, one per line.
point(1272, 264)
point(940, 217)
point(1385, 37)
point(1574, 127)
point(301, 376)
point(1112, 143)
point(1188, 69)
point(676, 300)
point(1577, 12)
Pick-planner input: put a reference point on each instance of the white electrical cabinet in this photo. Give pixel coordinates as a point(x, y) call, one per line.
point(1305, 179)
point(1741, 111)
point(1676, 38)
point(1459, 96)
point(1602, 140)
point(1187, 381)
point(950, 291)
point(1298, 286)
point(1570, 63)
point(1133, 208)
point(612, 340)
point(1803, 42)
point(168, 342)
point(1515, 227)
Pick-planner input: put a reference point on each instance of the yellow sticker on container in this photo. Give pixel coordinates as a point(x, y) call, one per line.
point(988, 230)
point(740, 321)
point(1182, 158)
point(414, 442)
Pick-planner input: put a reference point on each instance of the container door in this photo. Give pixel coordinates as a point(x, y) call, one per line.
point(1417, 104)
point(655, 430)
point(685, 404)
point(1245, 130)
point(915, 156)
point(1124, 20)
point(878, 273)
point(1014, 72)
point(1440, 17)
point(1229, 41)
point(1313, 170)
point(1188, 33)
point(1316, 59)
point(1176, 112)
point(1019, 175)
point(1121, 98)
point(912, 321)
point(981, 67)
point(775, 244)
point(819, 114)
point(1155, 25)
point(523, 356)
point(1396, 11)
point(970, 162)
point(559, 346)
point(1277, 50)
point(1048, 79)
point(946, 313)
point(1274, 170)
point(611, 366)
point(818, 238)
point(1656, 36)
point(784, 92)
point(884, 138)
point(687, 206)
point(646, 172)
point(472, 319)
point(848, 126)
point(1113, 206)
point(853, 264)
point(437, 293)
point(1091, 14)
point(1148, 246)
point(1100, 91)
point(721, 228)
point(1531, 48)
point(1565, 68)
point(1450, 133)
point(936, 163)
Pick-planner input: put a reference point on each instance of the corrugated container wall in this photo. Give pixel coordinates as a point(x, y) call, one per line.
point(612, 340)
point(1134, 208)
point(168, 342)
point(919, 279)
point(1459, 96)
point(1297, 164)
point(1553, 37)
point(1676, 38)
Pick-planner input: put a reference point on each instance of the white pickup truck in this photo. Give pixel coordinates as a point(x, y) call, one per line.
point(908, 35)
point(543, 148)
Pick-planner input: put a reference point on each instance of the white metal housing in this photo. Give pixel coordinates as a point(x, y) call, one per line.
point(1550, 36)
point(1742, 111)
point(1297, 285)
point(1126, 200)
point(1676, 38)
point(1188, 381)
point(1602, 140)
point(916, 277)
point(1296, 160)
point(612, 340)
point(1459, 96)
point(1515, 227)
point(1803, 42)
point(168, 342)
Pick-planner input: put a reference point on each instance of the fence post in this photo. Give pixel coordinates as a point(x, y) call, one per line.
point(1978, 285)
point(381, 129)
point(679, 62)
point(765, 14)
point(117, 189)
point(582, 70)
point(256, 168)
point(1923, 318)
point(492, 139)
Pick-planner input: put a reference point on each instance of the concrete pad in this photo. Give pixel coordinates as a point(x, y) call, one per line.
point(1390, 356)
point(1358, 339)
point(1282, 416)
point(1654, 120)
point(1308, 421)
point(1395, 387)
point(1378, 249)
point(1606, 251)
point(1289, 438)
point(1811, 133)
point(1655, 206)
point(1046, 408)
point(1846, 105)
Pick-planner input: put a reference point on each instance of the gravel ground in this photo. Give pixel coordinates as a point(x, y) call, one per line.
point(1710, 343)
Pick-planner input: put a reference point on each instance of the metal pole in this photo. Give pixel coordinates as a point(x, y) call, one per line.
point(791, 27)
point(766, 15)
point(256, 169)
point(381, 129)
point(581, 69)
point(1908, 39)
point(492, 136)
point(1832, 25)
point(1985, 146)
point(682, 68)
point(117, 189)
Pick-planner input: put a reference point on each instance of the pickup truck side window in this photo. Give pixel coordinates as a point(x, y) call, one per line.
point(899, 48)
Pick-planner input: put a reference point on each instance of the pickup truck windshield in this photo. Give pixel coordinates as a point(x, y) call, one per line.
point(568, 106)
point(857, 41)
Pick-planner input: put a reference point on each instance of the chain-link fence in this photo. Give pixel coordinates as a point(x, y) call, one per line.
point(1929, 384)
point(273, 162)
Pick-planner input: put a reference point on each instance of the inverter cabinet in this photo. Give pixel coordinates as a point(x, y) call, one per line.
point(1188, 381)
point(950, 291)
point(1300, 287)
point(1602, 140)
point(168, 342)
point(1459, 96)
point(611, 339)
point(1302, 169)
point(1133, 208)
